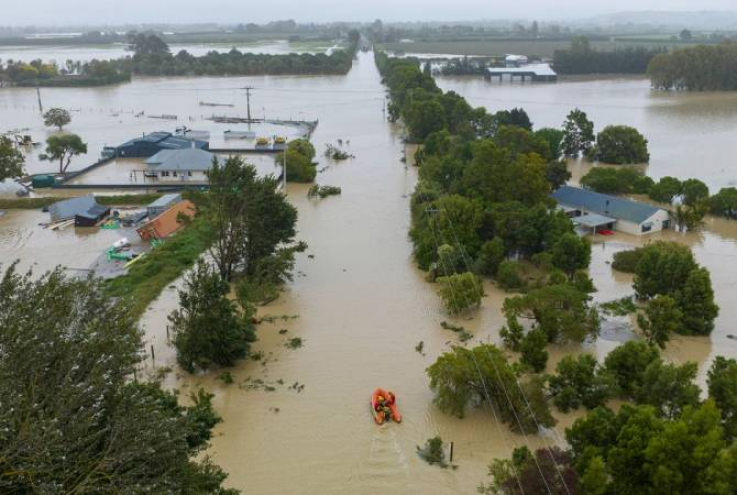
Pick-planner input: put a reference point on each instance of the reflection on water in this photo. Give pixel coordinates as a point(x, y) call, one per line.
point(362, 306)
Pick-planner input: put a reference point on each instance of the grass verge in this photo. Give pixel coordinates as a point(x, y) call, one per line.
point(147, 278)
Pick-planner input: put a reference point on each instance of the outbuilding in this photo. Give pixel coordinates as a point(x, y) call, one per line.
point(91, 217)
point(150, 144)
point(69, 208)
point(162, 204)
point(167, 223)
point(596, 211)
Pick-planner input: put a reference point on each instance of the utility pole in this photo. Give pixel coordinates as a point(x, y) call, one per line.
point(40, 105)
point(284, 172)
point(248, 104)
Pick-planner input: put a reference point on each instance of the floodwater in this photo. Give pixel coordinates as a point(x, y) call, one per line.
point(61, 53)
point(361, 306)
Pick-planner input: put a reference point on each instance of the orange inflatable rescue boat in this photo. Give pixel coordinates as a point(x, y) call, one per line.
point(384, 407)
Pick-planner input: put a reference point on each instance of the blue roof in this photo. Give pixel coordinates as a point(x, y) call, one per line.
point(603, 204)
point(166, 140)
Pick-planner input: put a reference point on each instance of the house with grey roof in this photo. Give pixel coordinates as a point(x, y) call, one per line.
point(592, 210)
point(150, 144)
point(185, 165)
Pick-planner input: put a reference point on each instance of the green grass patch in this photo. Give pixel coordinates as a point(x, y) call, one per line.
point(147, 278)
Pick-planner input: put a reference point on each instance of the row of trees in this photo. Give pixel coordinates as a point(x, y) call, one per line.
point(151, 56)
point(250, 228)
point(93, 73)
point(580, 58)
point(699, 68)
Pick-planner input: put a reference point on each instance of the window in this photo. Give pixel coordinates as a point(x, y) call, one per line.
point(189, 173)
point(164, 173)
point(647, 227)
point(174, 174)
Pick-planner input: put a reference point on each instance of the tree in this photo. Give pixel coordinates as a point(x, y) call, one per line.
point(62, 149)
point(90, 428)
point(666, 189)
point(661, 319)
point(463, 377)
point(685, 35)
point(146, 44)
point(617, 180)
point(580, 382)
point(532, 349)
point(557, 173)
point(694, 191)
point(248, 219)
point(561, 311)
point(620, 144)
point(515, 117)
point(548, 472)
point(300, 167)
point(722, 385)
point(627, 364)
point(696, 300)
point(491, 255)
point(724, 203)
point(571, 253)
point(11, 160)
point(578, 133)
point(460, 291)
point(423, 117)
point(668, 388)
point(208, 329)
point(663, 269)
point(57, 117)
point(554, 138)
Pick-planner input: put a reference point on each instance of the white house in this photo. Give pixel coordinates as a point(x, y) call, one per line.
point(185, 165)
point(596, 211)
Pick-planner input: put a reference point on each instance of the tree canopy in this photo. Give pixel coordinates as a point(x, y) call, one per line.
point(57, 117)
point(620, 145)
point(12, 159)
point(91, 428)
point(62, 148)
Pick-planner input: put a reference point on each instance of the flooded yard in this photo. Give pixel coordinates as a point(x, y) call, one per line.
point(357, 300)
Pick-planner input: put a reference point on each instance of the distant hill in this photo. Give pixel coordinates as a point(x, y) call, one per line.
point(666, 20)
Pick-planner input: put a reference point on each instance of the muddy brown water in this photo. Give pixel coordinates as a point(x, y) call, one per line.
point(361, 306)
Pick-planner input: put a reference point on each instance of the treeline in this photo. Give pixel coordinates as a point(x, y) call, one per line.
point(152, 57)
point(93, 73)
point(483, 198)
point(700, 68)
point(580, 58)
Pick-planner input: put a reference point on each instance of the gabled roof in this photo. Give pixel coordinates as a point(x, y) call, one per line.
point(94, 212)
point(190, 159)
point(603, 204)
point(67, 209)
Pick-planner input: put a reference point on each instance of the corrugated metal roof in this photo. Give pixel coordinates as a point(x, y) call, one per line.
point(165, 200)
point(166, 140)
point(68, 208)
point(592, 220)
point(95, 212)
point(603, 204)
point(191, 159)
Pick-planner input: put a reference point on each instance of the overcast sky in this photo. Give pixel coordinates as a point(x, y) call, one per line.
point(65, 12)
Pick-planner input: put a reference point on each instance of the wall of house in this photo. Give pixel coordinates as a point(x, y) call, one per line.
point(182, 177)
point(657, 221)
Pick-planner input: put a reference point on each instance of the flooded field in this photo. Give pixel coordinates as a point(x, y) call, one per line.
point(61, 53)
point(360, 305)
